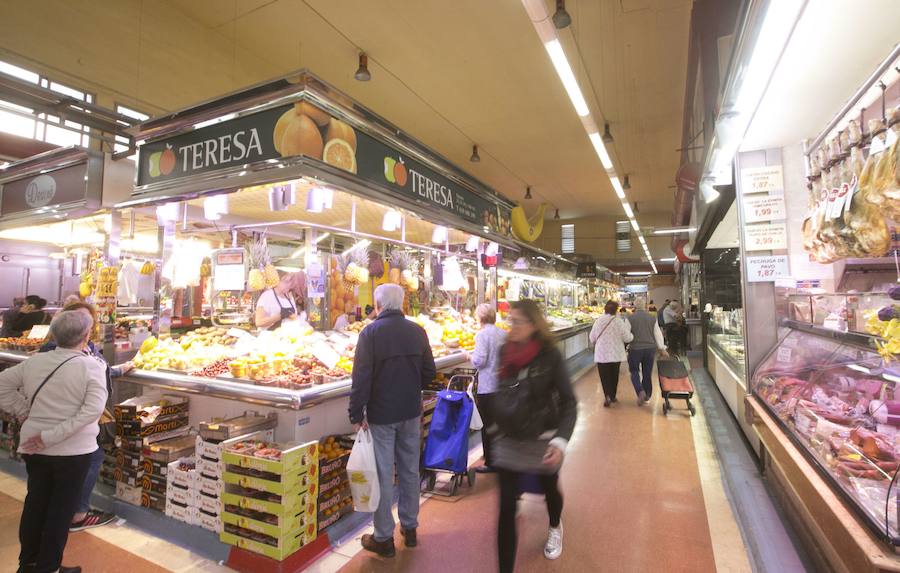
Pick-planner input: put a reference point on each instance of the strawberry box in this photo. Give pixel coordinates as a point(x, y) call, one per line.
point(208, 503)
point(181, 511)
point(273, 458)
point(273, 483)
point(209, 469)
point(267, 502)
point(209, 521)
point(211, 487)
point(271, 547)
point(213, 451)
point(279, 527)
point(181, 473)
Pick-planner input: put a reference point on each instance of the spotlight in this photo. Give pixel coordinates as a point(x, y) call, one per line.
point(475, 157)
point(362, 74)
point(528, 192)
point(625, 183)
point(607, 136)
point(556, 216)
point(561, 18)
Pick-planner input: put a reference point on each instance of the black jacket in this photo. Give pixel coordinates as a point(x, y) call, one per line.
point(393, 363)
point(551, 403)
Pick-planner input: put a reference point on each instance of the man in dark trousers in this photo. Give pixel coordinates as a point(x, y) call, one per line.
point(393, 364)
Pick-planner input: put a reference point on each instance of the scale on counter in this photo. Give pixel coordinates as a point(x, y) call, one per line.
point(249, 422)
point(229, 275)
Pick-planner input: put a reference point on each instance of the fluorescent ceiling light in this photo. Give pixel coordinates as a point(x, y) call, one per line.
point(628, 212)
point(634, 225)
point(637, 273)
point(597, 142)
point(214, 121)
point(673, 230)
point(617, 185)
point(321, 237)
point(564, 71)
point(668, 260)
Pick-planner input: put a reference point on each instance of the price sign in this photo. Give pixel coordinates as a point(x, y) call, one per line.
point(39, 332)
point(760, 208)
point(766, 237)
point(784, 354)
point(766, 269)
point(769, 179)
point(326, 354)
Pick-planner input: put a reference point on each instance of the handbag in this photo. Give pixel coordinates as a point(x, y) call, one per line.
point(517, 412)
point(477, 423)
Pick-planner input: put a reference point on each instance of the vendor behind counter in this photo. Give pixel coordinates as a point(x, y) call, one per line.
point(21, 319)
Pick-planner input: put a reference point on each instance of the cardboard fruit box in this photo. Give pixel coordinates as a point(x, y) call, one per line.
point(291, 459)
point(333, 483)
point(155, 484)
point(137, 443)
point(181, 512)
point(153, 500)
point(266, 502)
point(130, 478)
point(128, 494)
point(265, 545)
point(209, 521)
point(213, 451)
point(208, 503)
point(209, 469)
point(168, 405)
point(333, 466)
point(211, 487)
point(165, 451)
point(279, 527)
point(283, 484)
point(326, 521)
point(138, 429)
point(183, 478)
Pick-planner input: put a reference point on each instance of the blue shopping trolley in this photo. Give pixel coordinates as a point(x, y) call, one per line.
point(447, 444)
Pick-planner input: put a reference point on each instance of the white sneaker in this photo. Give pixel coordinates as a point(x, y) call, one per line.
point(553, 549)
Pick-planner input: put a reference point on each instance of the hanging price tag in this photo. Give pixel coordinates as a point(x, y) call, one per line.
point(766, 269)
point(766, 237)
point(768, 179)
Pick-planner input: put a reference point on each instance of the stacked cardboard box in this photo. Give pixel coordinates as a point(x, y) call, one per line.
point(269, 503)
point(209, 476)
point(139, 422)
point(335, 499)
point(157, 459)
point(181, 490)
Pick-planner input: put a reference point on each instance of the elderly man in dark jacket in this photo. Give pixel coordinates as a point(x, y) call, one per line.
point(393, 364)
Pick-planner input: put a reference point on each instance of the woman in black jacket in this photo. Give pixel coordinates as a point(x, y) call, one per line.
point(533, 422)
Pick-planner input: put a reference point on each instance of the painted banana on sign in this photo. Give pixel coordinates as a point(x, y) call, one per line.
point(528, 228)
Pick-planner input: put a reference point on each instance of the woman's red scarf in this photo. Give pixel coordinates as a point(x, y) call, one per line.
point(514, 356)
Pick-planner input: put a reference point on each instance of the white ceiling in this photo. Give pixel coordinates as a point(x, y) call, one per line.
point(836, 45)
point(469, 71)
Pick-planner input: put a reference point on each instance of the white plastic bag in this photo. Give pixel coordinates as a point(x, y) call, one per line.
point(363, 474)
point(477, 423)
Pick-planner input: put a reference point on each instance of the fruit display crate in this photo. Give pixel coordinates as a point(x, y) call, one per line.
point(273, 548)
point(273, 525)
point(267, 502)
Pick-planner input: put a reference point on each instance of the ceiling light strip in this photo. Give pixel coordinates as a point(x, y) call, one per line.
point(546, 31)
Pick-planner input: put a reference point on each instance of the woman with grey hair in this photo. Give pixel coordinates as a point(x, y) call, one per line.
point(486, 358)
point(61, 395)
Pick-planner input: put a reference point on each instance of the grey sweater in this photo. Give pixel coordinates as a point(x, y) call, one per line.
point(646, 331)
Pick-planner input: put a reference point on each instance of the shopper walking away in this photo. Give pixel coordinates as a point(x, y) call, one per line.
point(86, 517)
point(609, 337)
point(661, 314)
point(673, 318)
point(486, 358)
point(393, 364)
point(534, 415)
point(61, 394)
point(647, 341)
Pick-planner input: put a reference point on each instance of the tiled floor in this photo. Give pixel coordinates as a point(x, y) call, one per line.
point(643, 492)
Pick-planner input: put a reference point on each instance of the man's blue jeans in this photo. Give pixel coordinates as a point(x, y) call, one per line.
point(399, 444)
point(640, 364)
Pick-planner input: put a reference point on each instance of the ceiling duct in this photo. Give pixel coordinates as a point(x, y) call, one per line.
point(686, 180)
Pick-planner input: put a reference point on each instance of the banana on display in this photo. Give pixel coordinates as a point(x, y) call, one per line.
point(528, 228)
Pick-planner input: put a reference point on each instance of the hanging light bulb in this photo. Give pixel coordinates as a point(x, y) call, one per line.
point(290, 194)
point(472, 244)
point(556, 216)
point(625, 183)
point(314, 202)
point(561, 18)
point(475, 157)
point(439, 235)
point(276, 199)
point(362, 73)
point(528, 192)
point(607, 136)
point(391, 221)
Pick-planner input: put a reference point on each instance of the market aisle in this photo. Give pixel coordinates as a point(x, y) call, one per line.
point(634, 502)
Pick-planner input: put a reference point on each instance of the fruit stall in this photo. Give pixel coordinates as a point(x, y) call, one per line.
point(291, 186)
point(814, 331)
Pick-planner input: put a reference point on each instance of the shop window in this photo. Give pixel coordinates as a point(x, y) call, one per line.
point(568, 239)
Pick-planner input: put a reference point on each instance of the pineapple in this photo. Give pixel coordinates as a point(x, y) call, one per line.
point(271, 276)
point(354, 267)
point(260, 276)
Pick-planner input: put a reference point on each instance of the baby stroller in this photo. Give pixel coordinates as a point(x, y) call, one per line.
point(675, 383)
point(447, 444)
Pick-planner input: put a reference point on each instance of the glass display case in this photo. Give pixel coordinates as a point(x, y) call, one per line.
point(725, 336)
point(844, 312)
point(839, 403)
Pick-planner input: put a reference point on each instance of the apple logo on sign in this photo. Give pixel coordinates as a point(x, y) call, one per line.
point(40, 191)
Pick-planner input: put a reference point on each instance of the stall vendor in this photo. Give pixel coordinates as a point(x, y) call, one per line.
point(344, 320)
point(277, 304)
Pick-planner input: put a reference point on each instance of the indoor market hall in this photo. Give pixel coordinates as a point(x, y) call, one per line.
point(391, 287)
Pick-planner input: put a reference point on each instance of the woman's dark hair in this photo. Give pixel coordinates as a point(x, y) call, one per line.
point(36, 301)
point(611, 307)
point(535, 316)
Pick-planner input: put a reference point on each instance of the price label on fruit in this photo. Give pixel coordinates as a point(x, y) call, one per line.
point(768, 179)
point(765, 237)
point(763, 208)
point(766, 269)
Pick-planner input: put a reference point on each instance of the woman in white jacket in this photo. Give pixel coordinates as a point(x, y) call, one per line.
point(609, 337)
point(61, 394)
